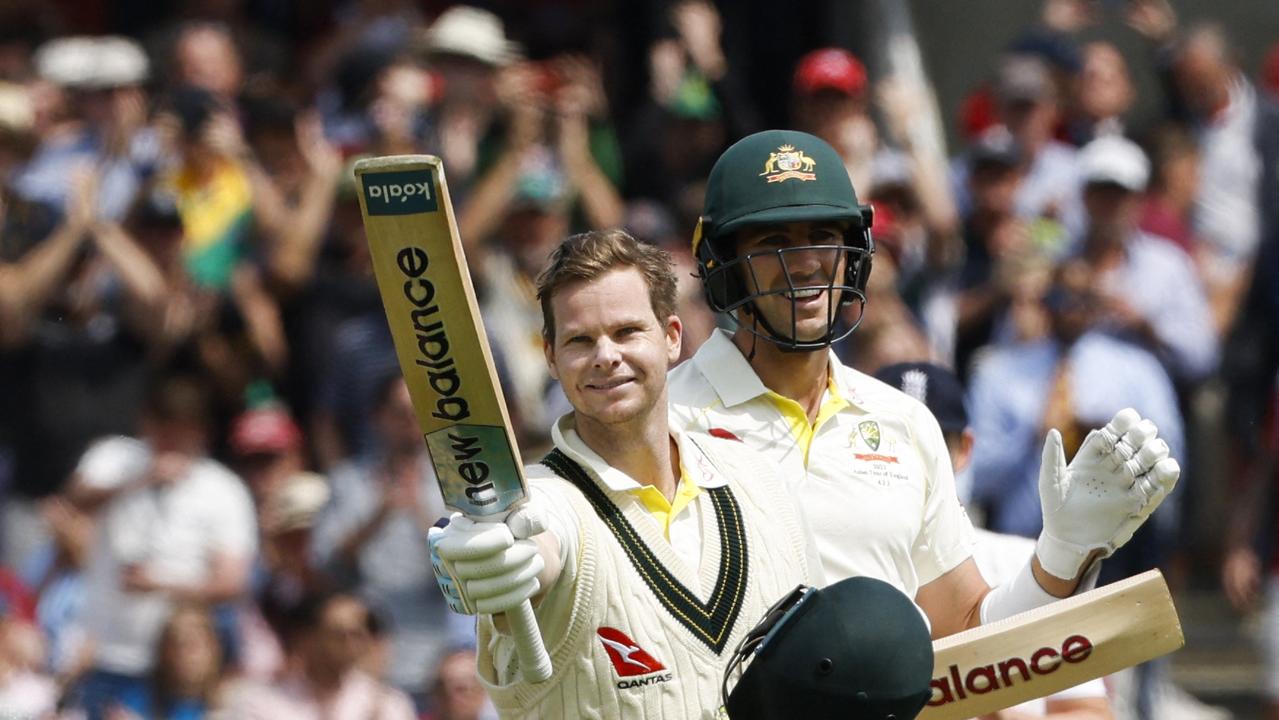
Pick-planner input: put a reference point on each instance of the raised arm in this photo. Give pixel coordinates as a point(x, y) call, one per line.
point(28, 285)
point(293, 261)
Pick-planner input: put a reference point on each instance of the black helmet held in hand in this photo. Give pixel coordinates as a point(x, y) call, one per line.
point(856, 650)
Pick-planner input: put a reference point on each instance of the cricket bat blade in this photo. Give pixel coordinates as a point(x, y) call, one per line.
point(1054, 647)
point(426, 290)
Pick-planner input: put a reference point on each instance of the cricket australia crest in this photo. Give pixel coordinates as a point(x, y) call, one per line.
point(869, 430)
point(789, 164)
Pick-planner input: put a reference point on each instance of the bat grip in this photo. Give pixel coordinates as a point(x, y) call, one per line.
point(535, 663)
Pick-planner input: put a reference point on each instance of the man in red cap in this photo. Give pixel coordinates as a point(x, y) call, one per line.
point(830, 101)
point(268, 448)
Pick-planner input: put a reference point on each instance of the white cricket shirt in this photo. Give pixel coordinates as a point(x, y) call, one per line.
point(871, 475)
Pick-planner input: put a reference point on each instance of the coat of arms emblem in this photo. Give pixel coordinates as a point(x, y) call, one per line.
point(787, 163)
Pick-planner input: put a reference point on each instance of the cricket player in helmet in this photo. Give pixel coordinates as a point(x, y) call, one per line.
point(784, 246)
point(831, 286)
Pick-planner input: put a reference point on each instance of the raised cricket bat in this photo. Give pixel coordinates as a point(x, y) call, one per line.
point(1049, 649)
point(444, 354)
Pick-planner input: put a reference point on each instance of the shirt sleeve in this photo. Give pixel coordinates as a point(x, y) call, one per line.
point(564, 525)
point(237, 529)
point(946, 536)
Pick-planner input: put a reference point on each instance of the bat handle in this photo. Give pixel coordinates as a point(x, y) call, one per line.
point(535, 663)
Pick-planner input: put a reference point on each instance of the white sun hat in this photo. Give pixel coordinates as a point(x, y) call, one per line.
point(470, 32)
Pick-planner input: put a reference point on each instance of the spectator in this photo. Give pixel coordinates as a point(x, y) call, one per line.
point(103, 78)
point(83, 302)
point(467, 47)
point(321, 386)
point(1174, 184)
point(25, 692)
point(187, 678)
point(832, 101)
point(361, 354)
point(173, 526)
point(372, 532)
point(291, 573)
point(55, 572)
point(1149, 290)
point(556, 132)
point(269, 455)
point(1003, 267)
point(691, 109)
point(205, 56)
point(219, 192)
point(1232, 125)
point(300, 172)
point(267, 446)
point(1249, 567)
point(329, 641)
point(1028, 107)
point(1104, 94)
point(457, 693)
point(214, 195)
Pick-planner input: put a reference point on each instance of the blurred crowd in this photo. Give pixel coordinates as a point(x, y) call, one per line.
point(213, 495)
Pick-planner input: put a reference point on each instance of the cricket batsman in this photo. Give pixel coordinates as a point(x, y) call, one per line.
point(784, 248)
point(647, 553)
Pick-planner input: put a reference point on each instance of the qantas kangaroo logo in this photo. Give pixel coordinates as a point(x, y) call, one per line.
point(629, 659)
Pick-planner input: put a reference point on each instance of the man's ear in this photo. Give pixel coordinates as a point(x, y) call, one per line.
point(674, 338)
point(548, 351)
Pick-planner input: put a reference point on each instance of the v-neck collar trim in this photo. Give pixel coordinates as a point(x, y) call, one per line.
point(710, 621)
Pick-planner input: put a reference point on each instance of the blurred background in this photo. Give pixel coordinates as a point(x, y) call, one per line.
point(213, 498)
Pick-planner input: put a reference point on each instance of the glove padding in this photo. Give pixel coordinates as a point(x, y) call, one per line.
point(1094, 505)
point(487, 567)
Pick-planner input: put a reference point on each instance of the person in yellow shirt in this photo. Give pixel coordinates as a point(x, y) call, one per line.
point(212, 191)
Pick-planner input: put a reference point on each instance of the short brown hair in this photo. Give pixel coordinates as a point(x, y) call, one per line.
point(586, 256)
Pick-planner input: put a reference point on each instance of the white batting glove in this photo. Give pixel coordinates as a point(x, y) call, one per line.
point(487, 567)
point(1094, 505)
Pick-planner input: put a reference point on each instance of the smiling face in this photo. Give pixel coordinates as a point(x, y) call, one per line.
point(610, 351)
point(791, 268)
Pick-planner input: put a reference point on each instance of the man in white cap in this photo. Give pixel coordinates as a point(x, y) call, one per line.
point(102, 78)
point(468, 47)
point(1150, 291)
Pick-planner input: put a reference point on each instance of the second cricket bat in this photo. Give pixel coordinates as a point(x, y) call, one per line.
point(1049, 649)
point(444, 354)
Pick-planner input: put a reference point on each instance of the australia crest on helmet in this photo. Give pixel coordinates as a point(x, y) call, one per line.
point(789, 163)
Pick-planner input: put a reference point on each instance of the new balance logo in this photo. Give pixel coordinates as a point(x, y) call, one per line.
point(628, 658)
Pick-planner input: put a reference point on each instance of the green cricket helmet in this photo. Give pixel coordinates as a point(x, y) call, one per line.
point(855, 650)
point(777, 177)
